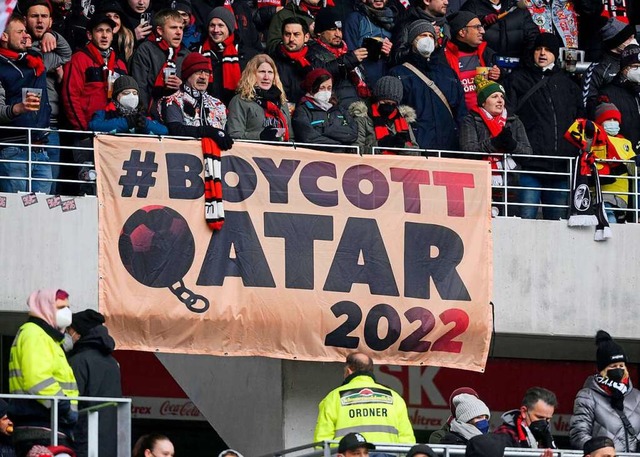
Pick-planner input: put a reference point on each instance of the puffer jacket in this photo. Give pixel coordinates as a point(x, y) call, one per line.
point(593, 416)
point(513, 35)
point(360, 111)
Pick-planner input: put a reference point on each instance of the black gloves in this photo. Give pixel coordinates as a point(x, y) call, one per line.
point(131, 120)
point(141, 123)
point(221, 138)
point(392, 141)
point(269, 134)
point(504, 141)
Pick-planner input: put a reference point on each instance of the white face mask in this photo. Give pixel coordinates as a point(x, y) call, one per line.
point(612, 127)
point(129, 101)
point(634, 75)
point(425, 46)
point(63, 318)
point(67, 343)
point(323, 96)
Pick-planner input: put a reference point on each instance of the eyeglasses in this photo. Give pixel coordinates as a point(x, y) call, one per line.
point(478, 27)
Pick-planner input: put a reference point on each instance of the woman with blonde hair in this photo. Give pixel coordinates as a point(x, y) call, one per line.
point(123, 38)
point(259, 111)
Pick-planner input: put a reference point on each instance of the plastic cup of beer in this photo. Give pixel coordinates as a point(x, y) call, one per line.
point(31, 91)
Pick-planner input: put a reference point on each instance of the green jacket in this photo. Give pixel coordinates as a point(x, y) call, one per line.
point(246, 119)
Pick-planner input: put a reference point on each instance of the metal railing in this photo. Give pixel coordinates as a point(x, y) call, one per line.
point(329, 448)
point(506, 196)
point(123, 414)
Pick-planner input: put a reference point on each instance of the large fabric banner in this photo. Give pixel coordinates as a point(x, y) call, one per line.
point(320, 254)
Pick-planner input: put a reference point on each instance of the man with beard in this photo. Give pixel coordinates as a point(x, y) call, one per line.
point(370, 25)
point(291, 57)
point(305, 9)
point(21, 68)
point(55, 52)
point(191, 111)
point(227, 54)
point(547, 101)
point(156, 63)
point(90, 74)
point(433, 11)
point(330, 52)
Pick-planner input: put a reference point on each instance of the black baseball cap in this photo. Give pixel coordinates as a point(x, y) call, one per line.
point(353, 441)
point(96, 20)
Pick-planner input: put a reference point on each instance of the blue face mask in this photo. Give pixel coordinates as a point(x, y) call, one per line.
point(483, 426)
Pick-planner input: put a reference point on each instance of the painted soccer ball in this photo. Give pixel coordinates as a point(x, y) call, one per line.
point(156, 246)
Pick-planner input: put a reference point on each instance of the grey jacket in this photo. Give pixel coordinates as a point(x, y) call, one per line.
point(475, 135)
point(52, 60)
point(246, 119)
point(593, 416)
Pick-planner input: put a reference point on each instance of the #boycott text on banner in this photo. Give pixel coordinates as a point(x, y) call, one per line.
point(320, 254)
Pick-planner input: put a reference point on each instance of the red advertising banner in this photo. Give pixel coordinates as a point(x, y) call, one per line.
point(320, 254)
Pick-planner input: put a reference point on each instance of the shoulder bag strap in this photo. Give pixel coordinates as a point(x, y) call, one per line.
point(430, 84)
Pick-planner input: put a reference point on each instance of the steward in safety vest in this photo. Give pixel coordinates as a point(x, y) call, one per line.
point(361, 405)
point(38, 366)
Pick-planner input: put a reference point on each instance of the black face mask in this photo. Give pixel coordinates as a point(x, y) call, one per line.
point(385, 109)
point(539, 428)
point(615, 374)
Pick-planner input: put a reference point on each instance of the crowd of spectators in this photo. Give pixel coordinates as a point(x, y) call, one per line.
point(372, 73)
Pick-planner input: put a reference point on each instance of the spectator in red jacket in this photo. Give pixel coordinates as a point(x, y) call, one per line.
point(89, 76)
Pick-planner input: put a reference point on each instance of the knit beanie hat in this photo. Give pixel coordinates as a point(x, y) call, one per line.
point(62, 451)
point(39, 451)
point(309, 80)
point(194, 62)
point(388, 88)
point(607, 110)
point(457, 21)
point(110, 6)
point(485, 87)
point(421, 449)
point(596, 443)
point(630, 55)
point(468, 406)
point(458, 391)
point(549, 41)
point(616, 32)
point(608, 350)
point(85, 320)
point(124, 82)
point(4, 408)
point(419, 27)
point(182, 5)
point(225, 15)
point(327, 19)
point(488, 445)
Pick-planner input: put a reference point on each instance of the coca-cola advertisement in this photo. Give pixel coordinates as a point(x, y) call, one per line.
point(165, 408)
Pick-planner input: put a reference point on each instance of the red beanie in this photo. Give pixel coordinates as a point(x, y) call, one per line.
point(606, 111)
point(194, 62)
point(307, 84)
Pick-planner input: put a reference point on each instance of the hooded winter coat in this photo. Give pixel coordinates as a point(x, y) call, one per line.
point(436, 128)
point(594, 416)
point(98, 375)
point(360, 111)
